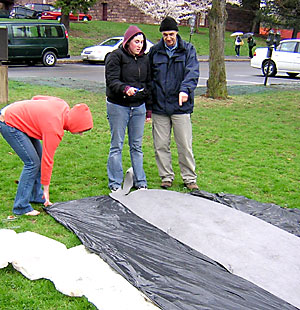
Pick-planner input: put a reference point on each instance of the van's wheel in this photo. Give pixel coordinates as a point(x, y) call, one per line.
point(85, 19)
point(58, 18)
point(49, 59)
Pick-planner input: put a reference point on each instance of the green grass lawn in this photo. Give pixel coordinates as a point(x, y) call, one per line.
point(247, 145)
point(93, 32)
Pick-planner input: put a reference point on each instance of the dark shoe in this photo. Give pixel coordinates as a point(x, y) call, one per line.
point(166, 184)
point(142, 187)
point(115, 189)
point(192, 186)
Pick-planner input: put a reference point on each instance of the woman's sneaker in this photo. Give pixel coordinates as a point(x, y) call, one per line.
point(142, 187)
point(115, 189)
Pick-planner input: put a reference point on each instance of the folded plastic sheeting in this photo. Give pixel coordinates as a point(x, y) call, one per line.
point(171, 274)
point(245, 245)
point(285, 218)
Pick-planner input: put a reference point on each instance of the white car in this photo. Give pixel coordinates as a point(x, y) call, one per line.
point(99, 52)
point(285, 58)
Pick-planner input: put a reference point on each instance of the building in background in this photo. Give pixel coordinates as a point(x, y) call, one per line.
point(123, 11)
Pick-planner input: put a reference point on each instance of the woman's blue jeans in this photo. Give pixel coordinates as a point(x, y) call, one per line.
point(120, 118)
point(30, 152)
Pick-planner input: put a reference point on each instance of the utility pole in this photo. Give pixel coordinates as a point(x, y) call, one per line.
point(273, 41)
point(3, 84)
point(192, 21)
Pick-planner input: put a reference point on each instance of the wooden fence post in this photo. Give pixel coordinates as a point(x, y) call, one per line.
point(3, 84)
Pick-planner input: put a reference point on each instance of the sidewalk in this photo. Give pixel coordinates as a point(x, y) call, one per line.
point(203, 58)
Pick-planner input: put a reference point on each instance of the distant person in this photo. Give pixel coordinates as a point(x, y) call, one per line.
point(238, 43)
point(251, 43)
point(175, 74)
point(127, 73)
point(23, 124)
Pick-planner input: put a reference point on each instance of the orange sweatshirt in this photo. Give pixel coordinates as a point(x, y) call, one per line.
point(45, 118)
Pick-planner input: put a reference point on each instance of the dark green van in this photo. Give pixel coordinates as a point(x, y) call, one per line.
point(36, 42)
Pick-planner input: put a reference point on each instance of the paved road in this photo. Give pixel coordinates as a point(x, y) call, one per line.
point(237, 73)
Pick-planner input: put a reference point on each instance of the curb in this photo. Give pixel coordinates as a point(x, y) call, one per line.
point(200, 59)
point(69, 61)
point(228, 60)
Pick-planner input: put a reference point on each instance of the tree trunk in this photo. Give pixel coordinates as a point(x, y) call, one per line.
point(216, 84)
point(255, 26)
point(66, 21)
point(295, 32)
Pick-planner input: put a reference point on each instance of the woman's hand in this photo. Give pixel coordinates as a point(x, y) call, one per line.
point(148, 116)
point(131, 91)
point(46, 196)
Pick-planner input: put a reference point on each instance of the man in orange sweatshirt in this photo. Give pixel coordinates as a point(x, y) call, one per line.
point(23, 124)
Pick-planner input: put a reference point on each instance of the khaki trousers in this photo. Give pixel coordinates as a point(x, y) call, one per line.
point(182, 128)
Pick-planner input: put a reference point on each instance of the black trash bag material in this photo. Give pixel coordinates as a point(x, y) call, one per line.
point(171, 274)
point(285, 218)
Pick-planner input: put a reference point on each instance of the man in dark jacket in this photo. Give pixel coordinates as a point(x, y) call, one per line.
point(175, 73)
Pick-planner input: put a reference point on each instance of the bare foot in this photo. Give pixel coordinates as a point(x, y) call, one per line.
point(33, 213)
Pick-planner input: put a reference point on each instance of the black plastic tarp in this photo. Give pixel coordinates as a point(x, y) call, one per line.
point(171, 274)
point(287, 219)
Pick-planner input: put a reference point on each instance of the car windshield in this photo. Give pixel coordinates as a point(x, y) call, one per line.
point(110, 42)
point(287, 47)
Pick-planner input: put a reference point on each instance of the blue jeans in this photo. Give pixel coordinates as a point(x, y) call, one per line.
point(30, 152)
point(237, 50)
point(120, 118)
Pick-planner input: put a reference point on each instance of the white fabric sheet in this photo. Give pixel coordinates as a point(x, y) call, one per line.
point(74, 271)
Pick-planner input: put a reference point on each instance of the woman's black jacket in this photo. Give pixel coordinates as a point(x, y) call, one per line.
point(123, 69)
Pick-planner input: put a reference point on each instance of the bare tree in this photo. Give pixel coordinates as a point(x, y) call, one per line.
point(216, 84)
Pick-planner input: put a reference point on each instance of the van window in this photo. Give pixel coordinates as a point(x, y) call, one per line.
point(32, 32)
point(48, 31)
point(18, 31)
point(51, 31)
point(25, 31)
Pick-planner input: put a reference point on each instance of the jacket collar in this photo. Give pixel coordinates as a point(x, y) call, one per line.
point(180, 45)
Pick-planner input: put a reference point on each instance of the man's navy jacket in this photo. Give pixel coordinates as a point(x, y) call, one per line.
point(170, 76)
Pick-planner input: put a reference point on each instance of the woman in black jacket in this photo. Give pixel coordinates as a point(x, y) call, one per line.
point(127, 73)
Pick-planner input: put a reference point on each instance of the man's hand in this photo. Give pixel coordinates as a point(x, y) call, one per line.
point(183, 97)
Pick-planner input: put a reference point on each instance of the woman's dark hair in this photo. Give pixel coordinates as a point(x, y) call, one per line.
point(136, 34)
